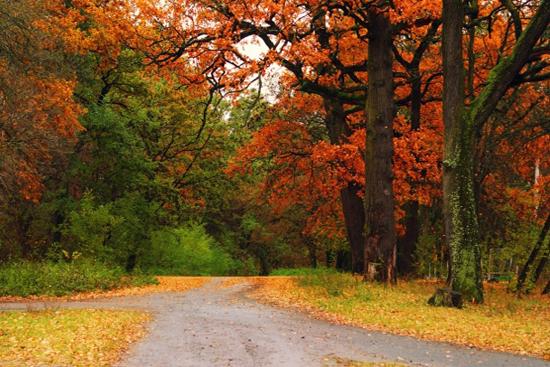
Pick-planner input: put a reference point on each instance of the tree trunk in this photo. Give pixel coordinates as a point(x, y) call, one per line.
point(352, 205)
point(311, 251)
point(461, 226)
point(542, 264)
point(380, 236)
point(406, 244)
point(546, 289)
point(462, 126)
point(354, 218)
point(526, 268)
point(343, 260)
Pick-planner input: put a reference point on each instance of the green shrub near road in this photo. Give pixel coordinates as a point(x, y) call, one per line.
point(333, 281)
point(63, 278)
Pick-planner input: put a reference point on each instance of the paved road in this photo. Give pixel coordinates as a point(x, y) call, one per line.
point(215, 326)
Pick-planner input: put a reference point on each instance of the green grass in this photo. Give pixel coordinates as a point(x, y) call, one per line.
point(301, 271)
point(67, 338)
point(63, 278)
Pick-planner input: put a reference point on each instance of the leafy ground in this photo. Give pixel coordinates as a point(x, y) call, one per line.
point(165, 284)
point(67, 337)
point(503, 323)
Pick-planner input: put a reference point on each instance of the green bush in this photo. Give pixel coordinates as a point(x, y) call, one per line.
point(296, 271)
point(187, 250)
point(329, 279)
point(63, 278)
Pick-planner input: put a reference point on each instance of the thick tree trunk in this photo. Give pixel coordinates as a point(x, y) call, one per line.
point(380, 236)
point(461, 226)
point(354, 218)
point(526, 268)
point(352, 205)
point(343, 260)
point(462, 126)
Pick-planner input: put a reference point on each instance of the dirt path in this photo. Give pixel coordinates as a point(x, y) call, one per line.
point(215, 326)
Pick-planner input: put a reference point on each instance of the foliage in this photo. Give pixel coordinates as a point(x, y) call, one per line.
point(117, 131)
point(69, 337)
point(334, 283)
point(297, 271)
point(187, 250)
point(502, 323)
point(63, 278)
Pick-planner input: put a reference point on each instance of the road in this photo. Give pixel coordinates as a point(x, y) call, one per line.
point(221, 326)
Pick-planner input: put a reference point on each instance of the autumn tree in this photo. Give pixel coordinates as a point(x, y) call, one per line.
point(463, 124)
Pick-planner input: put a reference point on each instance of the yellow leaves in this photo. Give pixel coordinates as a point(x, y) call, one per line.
point(503, 323)
point(70, 337)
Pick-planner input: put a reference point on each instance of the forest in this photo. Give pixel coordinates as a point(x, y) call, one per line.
point(392, 139)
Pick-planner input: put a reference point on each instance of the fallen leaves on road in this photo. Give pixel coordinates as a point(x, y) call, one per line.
point(68, 337)
point(503, 323)
point(166, 284)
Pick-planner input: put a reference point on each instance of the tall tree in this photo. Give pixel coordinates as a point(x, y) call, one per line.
point(380, 235)
point(462, 128)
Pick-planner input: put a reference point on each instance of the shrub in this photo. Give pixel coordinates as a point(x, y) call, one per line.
point(62, 278)
point(187, 250)
point(295, 271)
point(328, 279)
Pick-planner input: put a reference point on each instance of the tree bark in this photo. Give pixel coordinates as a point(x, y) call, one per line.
point(461, 130)
point(380, 236)
point(526, 268)
point(352, 205)
point(461, 226)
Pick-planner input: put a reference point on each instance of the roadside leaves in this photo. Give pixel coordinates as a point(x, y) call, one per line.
point(69, 337)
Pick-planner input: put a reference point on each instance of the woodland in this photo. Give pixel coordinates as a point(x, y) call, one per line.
point(394, 140)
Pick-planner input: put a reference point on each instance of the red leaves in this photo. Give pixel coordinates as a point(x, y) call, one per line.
point(301, 171)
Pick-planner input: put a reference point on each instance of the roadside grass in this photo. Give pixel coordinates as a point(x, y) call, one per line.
point(68, 337)
point(24, 279)
point(161, 284)
point(502, 323)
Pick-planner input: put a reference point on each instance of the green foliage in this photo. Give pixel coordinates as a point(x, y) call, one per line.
point(334, 282)
point(110, 232)
point(91, 226)
point(291, 271)
point(187, 250)
point(329, 280)
point(63, 278)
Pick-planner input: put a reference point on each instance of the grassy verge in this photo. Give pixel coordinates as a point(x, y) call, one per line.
point(63, 278)
point(68, 337)
point(162, 284)
point(503, 323)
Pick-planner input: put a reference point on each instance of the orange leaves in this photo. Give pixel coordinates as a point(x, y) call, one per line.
point(310, 174)
point(38, 116)
point(417, 168)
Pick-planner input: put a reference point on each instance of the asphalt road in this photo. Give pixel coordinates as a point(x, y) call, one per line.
point(216, 326)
